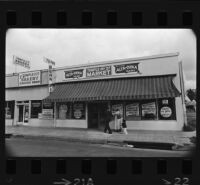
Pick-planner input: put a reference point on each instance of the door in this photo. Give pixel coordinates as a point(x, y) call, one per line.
point(96, 115)
point(21, 113)
point(26, 113)
point(92, 115)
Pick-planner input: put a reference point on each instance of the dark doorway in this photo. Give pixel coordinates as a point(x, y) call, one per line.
point(96, 115)
point(21, 113)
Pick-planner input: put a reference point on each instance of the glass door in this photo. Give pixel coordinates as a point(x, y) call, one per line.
point(26, 113)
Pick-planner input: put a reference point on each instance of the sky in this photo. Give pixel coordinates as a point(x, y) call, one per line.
point(81, 46)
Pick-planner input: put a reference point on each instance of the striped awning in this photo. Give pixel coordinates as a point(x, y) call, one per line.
point(115, 89)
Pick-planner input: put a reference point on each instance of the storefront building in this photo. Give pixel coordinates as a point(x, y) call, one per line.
point(146, 90)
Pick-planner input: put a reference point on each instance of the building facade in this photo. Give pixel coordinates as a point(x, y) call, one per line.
point(146, 90)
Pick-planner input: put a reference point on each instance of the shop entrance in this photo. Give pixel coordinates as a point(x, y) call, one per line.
point(96, 115)
point(23, 116)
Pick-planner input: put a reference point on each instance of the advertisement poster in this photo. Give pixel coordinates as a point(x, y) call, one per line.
point(21, 62)
point(78, 110)
point(26, 114)
point(29, 78)
point(132, 109)
point(166, 112)
point(63, 111)
point(73, 74)
point(149, 108)
point(46, 114)
point(98, 71)
point(127, 68)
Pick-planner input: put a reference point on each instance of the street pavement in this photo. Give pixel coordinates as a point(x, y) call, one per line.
point(97, 136)
point(37, 147)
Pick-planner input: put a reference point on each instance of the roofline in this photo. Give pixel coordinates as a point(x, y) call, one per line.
point(107, 62)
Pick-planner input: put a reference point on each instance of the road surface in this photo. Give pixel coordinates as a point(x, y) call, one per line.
point(31, 147)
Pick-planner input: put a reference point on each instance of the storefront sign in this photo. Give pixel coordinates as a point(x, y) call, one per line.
point(127, 68)
point(73, 74)
point(29, 78)
point(132, 109)
point(166, 112)
point(98, 71)
point(164, 101)
point(21, 62)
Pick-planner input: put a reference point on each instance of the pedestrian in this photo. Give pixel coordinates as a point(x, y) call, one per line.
point(124, 127)
point(118, 120)
point(108, 119)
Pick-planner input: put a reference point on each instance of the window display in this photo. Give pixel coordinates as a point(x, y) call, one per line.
point(149, 110)
point(133, 111)
point(36, 108)
point(9, 110)
point(64, 111)
point(79, 111)
point(166, 109)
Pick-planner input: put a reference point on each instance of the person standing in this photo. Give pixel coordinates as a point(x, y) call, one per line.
point(124, 127)
point(118, 120)
point(108, 119)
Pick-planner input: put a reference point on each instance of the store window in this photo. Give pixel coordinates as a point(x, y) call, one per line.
point(36, 108)
point(63, 110)
point(166, 109)
point(78, 111)
point(148, 110)
point(9, 109)
point(133, 111)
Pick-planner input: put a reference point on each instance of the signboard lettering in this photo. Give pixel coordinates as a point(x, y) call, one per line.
point(74, 74)
point(132, 109)
point(127, 68)
point(49, 61)
point(166, 112)
point(21, 62)
point(98, 71)
point(29, 78)
point(149, 108)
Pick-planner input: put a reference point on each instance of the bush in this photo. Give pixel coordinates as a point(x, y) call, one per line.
point(191, 126)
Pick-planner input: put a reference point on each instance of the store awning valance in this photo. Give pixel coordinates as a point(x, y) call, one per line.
point(115, 89)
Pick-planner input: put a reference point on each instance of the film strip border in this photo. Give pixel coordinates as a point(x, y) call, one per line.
point(105, 15)
point(96, 171)
point(60, 14)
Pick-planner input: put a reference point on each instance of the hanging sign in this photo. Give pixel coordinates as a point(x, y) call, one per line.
point(166, 112)
point(74, 74)
point(98, 71)
point(21, 62)
point(127, 68)
point(49, 61)
point(29, 78)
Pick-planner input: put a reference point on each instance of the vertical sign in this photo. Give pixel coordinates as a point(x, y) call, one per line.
point(50, 74)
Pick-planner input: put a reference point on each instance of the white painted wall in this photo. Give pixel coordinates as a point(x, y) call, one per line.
point(9, 122)
point(72, 123)
point(40, 122)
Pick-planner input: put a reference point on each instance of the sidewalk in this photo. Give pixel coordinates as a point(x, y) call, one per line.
point(97, 136)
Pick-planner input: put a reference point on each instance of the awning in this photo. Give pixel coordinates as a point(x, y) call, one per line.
point(115, 89)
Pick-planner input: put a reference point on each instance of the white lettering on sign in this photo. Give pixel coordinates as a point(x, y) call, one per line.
point(166, 112)
point(29, 78)
point(98, 71)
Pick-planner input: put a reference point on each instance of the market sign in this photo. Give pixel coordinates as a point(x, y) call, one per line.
point(149, 108)
point(29, 78)
point(127, 68)
point(98, 71)
point(74, 74)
